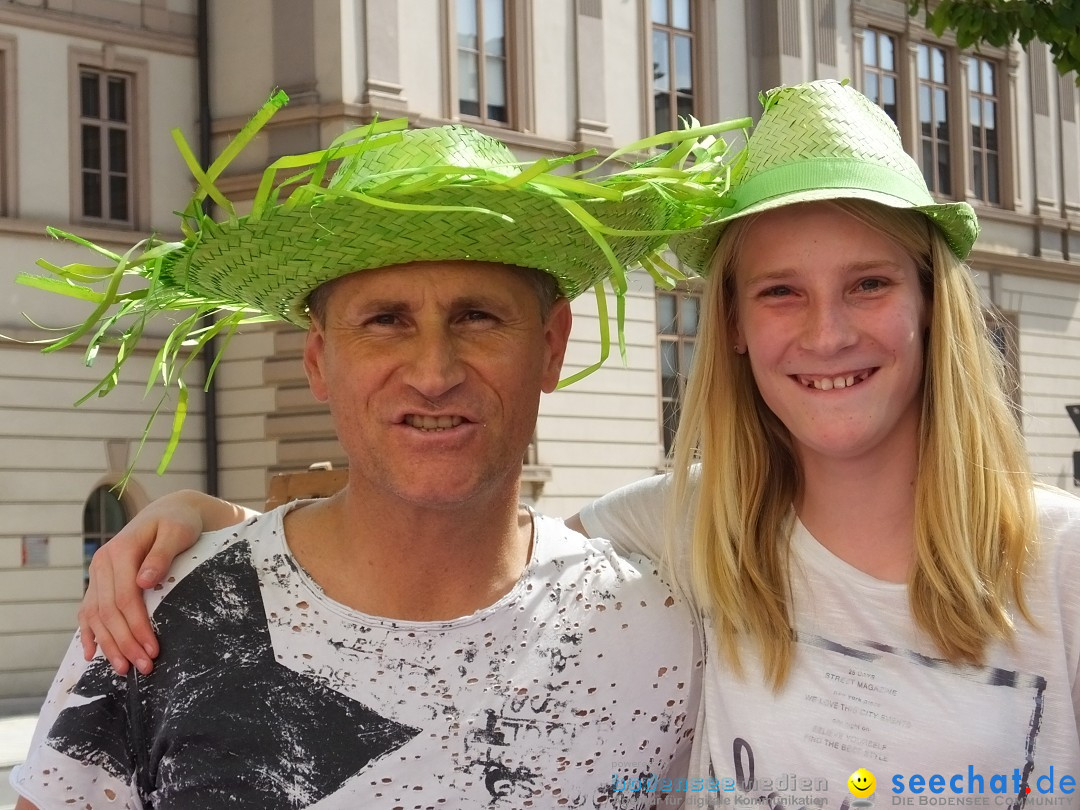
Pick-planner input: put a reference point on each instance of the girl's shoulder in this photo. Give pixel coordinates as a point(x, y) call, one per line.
point(1059, 530)
point(1058, 510)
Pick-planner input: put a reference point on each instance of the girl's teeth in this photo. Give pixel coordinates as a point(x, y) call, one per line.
point(828, 384)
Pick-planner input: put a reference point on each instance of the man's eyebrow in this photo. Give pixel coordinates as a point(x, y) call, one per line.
point(383, 305)
point(474, 302)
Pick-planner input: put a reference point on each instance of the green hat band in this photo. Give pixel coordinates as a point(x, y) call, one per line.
point(829, 173)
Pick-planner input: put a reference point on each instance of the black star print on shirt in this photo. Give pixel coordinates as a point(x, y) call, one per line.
point(219, 723)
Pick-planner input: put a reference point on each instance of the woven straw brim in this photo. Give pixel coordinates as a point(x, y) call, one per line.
point(272, 264)
point(956, 221)
point(397, 196)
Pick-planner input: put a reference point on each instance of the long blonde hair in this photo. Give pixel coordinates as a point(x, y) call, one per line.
point(975, 519)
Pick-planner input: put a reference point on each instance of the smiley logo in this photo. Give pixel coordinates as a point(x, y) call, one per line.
point(862, 783)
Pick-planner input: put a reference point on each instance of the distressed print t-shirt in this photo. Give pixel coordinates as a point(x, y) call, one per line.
point(570, 691)
point(869, 691)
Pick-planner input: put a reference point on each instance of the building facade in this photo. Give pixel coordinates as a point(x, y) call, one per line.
point(89, 90)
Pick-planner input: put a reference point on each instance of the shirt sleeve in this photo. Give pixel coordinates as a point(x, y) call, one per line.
point(632, 518)
point(81, 753)
point(638, 519)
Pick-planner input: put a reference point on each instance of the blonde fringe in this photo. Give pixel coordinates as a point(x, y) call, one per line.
point(975, 514)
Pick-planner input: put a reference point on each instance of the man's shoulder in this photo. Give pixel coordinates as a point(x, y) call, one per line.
point(222, 549)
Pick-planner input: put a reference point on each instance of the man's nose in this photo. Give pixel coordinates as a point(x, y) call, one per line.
point(436, 365)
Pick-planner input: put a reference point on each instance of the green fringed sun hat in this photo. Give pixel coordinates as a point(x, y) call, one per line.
point(825, 140)
point(379, 196)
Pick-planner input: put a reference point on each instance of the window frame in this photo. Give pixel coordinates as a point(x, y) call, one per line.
point(671, 32)
point(135, 71)
point(979, 153)
point(910, 34)
point(109, 197)
point(880, 72)
point(680, 293)
point(518, 68)
point(946, 86)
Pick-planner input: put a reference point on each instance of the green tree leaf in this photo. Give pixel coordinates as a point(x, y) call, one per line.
point(998, 22)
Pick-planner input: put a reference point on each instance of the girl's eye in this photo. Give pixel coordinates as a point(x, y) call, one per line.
point(776, 292)
point(870, 284)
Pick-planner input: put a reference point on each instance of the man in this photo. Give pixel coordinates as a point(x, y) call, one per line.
point(418, 640)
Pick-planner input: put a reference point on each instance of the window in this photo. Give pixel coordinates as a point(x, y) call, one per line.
point(105, 146)
point(482, 68)
point(933, 85)
point(983, 109)
point(677, 315)
point(672, 62)
point(880, 75)
point(103, 516)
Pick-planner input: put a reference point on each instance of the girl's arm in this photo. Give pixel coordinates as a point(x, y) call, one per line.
point(113, 614)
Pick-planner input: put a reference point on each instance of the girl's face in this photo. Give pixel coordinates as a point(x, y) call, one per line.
point(832, 316)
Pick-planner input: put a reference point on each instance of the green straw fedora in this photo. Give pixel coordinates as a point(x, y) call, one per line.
point(396, 196)
point(824, 140)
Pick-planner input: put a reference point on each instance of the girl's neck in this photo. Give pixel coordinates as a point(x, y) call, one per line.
point(863, 512)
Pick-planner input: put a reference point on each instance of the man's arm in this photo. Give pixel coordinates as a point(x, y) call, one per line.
point(113, 614)
point(23, 804)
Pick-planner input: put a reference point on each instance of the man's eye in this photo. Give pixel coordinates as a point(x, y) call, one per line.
point(383, 319)
point(476, 315)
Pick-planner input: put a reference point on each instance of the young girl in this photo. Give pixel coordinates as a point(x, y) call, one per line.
point(888, 593)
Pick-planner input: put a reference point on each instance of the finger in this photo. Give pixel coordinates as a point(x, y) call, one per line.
point(171, 539)
point(87, 636)
point(175, 532)
point(122, 609)
point(107, 620)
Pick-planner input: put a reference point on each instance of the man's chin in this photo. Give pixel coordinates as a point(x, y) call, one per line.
point(449, 493)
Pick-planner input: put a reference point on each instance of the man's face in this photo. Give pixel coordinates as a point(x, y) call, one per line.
point(433, 373)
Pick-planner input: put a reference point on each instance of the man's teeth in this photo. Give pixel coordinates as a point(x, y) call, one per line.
point(433, 422)
point(829, 383)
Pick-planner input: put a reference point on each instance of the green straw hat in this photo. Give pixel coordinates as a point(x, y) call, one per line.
point(824, 140)
point(396, 196)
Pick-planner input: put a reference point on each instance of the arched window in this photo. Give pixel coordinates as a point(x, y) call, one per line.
point(103, 516)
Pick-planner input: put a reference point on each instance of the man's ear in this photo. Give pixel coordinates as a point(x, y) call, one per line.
point(315, 360)
point(556, 336)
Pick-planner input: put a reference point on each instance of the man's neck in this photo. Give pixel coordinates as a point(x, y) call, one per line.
point(411, 563)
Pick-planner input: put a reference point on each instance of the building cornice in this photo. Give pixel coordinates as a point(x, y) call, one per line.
point(1021, 265)
point(91, 28)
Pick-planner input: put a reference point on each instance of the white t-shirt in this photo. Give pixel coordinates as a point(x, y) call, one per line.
point(869, 690)
point(580, 686)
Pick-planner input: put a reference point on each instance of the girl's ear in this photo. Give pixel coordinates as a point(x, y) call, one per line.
point(735, 335)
